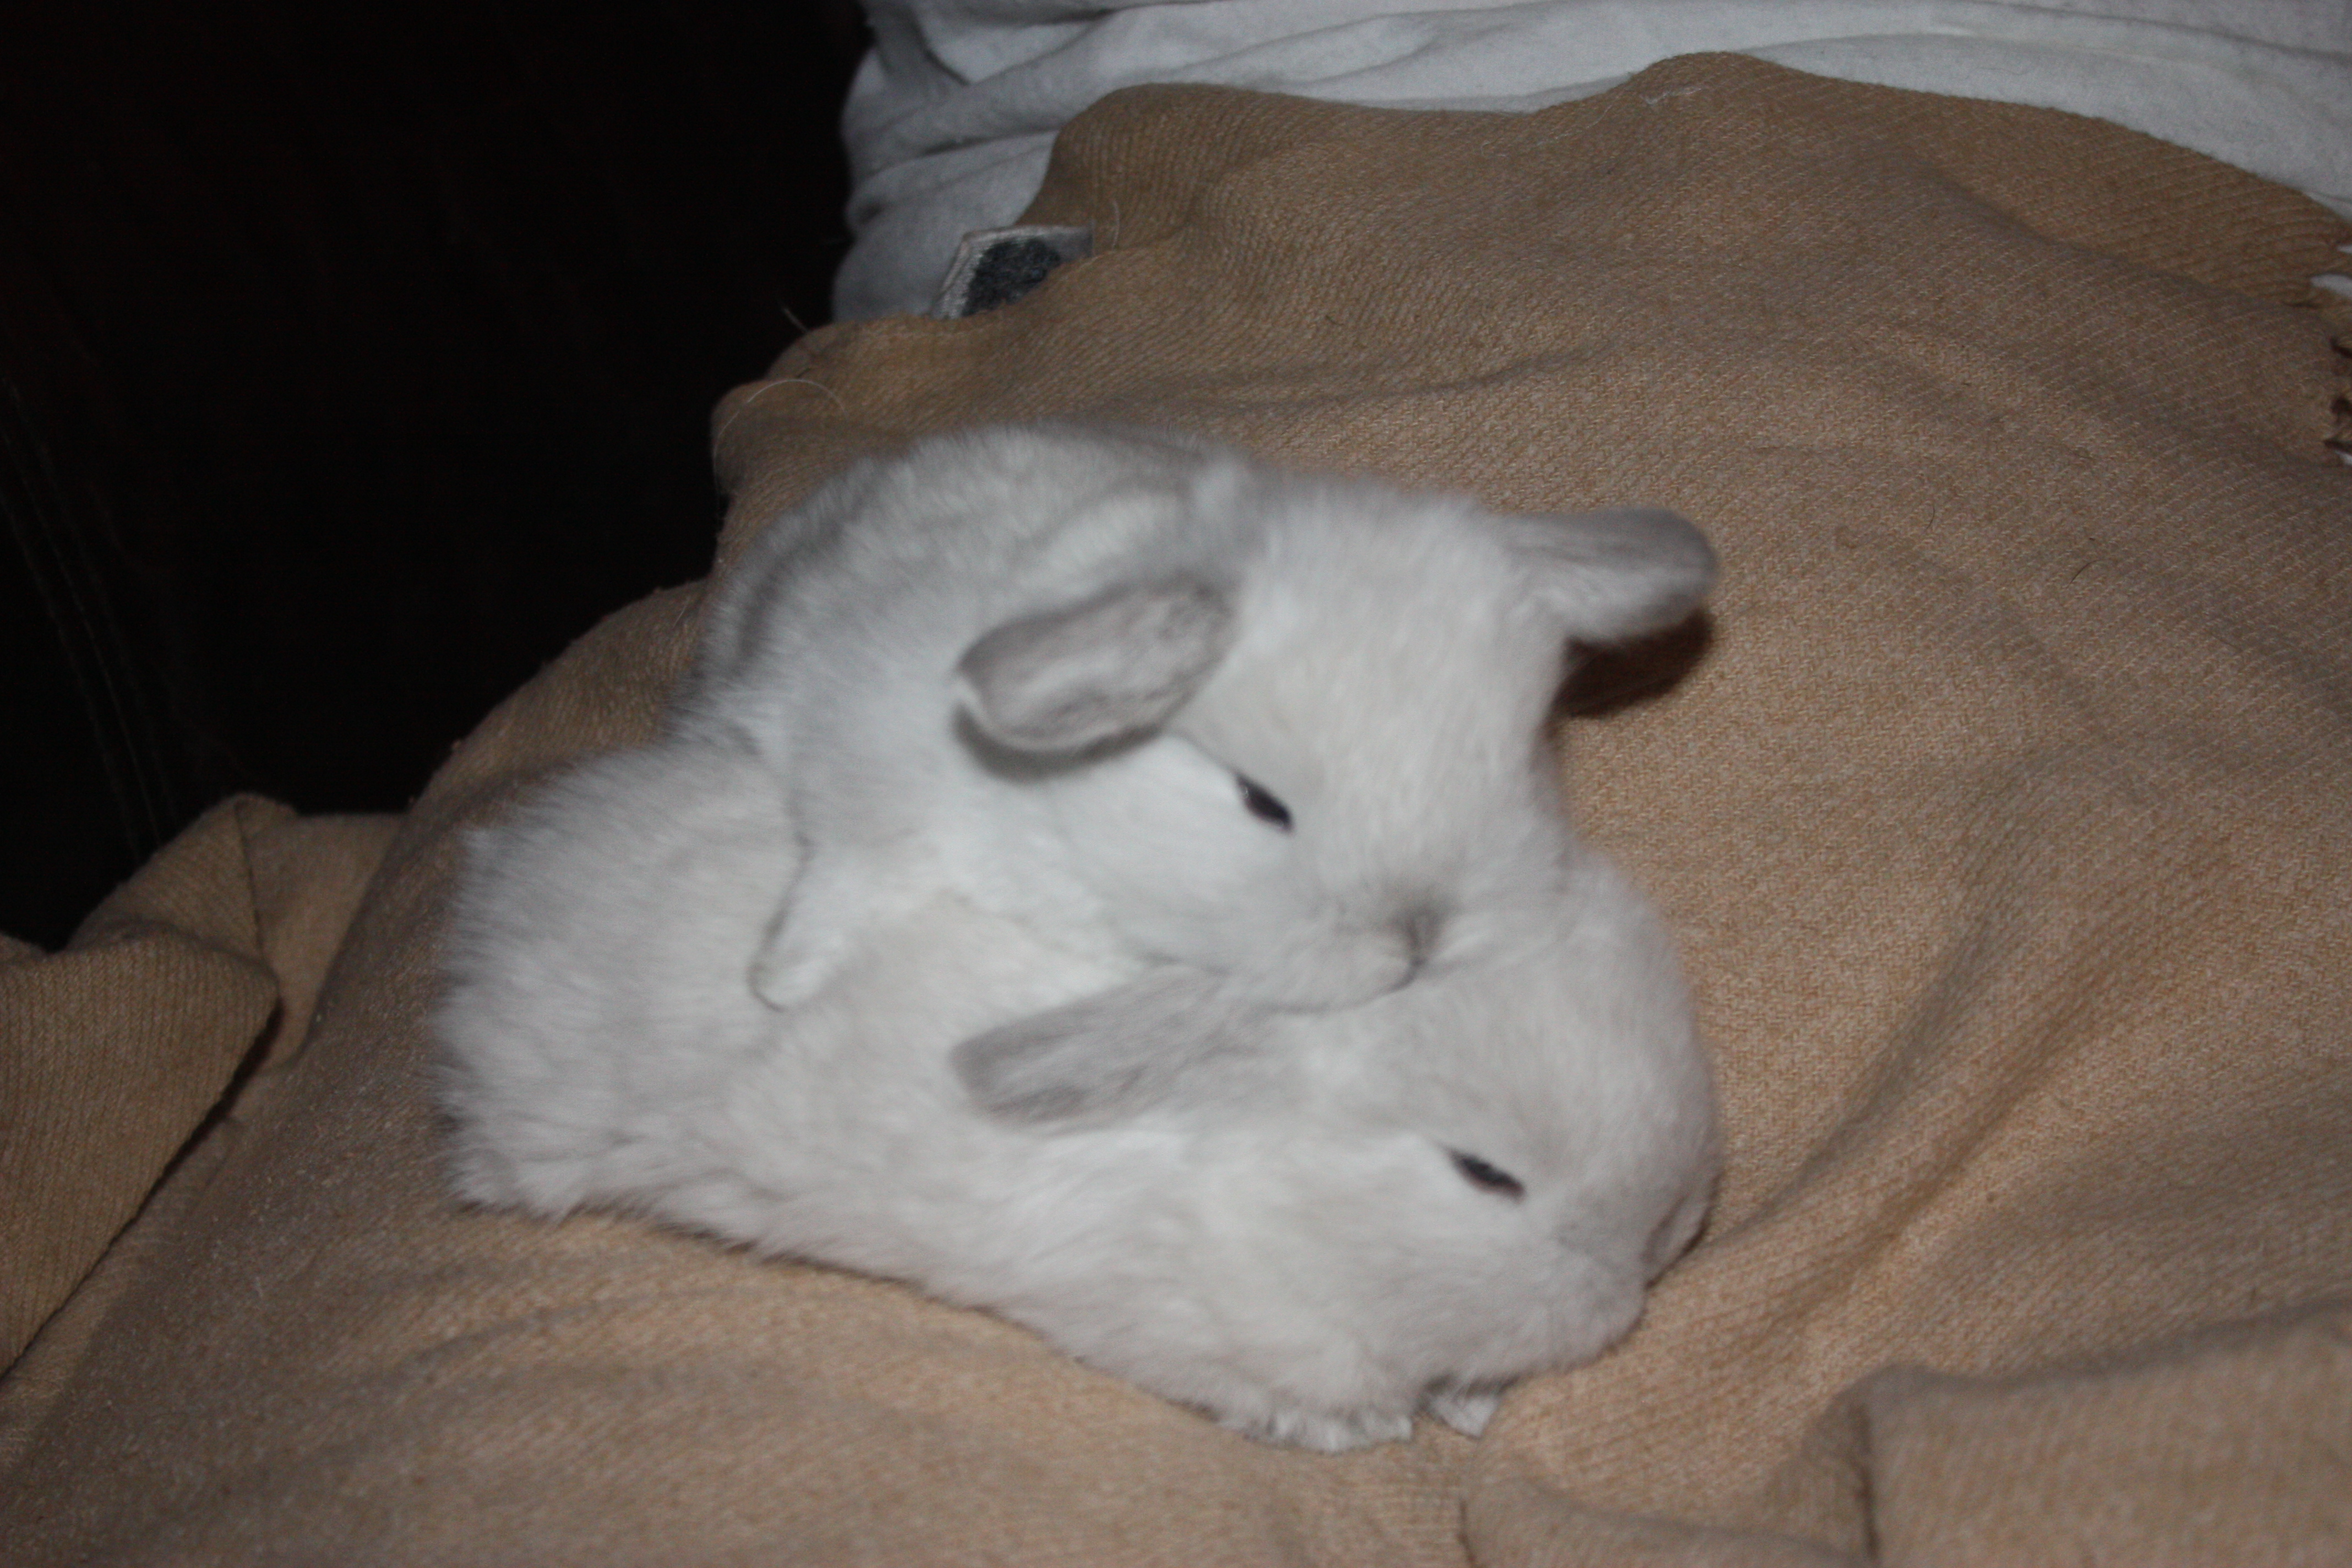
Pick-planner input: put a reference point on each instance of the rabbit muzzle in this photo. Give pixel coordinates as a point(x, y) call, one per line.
point(1345, 965)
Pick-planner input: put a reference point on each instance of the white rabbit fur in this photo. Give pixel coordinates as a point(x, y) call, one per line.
point(1275, 1231)
point(1055, 669)
point(937, 937)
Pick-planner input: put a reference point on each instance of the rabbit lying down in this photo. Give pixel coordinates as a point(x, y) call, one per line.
point(1158, 702)
point(1204, 974)
point(1311, 1228)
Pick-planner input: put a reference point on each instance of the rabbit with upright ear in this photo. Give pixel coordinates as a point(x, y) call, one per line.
point(1312, 1224)
point(1165, 707)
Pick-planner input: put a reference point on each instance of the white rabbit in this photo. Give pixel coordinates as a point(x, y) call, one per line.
point(1312, 1226)
point(1195, 720)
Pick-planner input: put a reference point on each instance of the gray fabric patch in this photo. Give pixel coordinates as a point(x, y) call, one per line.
point(996, 267)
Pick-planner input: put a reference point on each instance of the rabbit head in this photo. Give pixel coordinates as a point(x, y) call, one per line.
point(1398, 1206)
point(1334, 764)
point(1166, 704)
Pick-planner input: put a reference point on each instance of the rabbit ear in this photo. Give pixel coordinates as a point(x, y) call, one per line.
point(1115, 664)
point(1616, 574)
point(1136, 1046)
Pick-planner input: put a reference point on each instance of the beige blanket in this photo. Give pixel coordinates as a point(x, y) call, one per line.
point(2005, 812)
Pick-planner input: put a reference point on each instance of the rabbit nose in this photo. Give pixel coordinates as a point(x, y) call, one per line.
point(1420, 926)
point(1340, 970)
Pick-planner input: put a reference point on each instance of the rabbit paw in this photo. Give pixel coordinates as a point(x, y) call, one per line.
point(1467, 1410)
point(1330, 1431)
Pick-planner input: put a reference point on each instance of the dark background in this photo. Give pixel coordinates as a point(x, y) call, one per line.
point(353, 360)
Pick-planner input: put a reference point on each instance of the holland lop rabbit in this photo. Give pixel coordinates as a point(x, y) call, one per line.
point(1312, 1225)
point(1241, 736)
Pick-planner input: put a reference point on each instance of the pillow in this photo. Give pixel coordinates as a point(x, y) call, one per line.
point(2004, 811)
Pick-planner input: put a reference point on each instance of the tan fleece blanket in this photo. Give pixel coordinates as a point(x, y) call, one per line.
point(2005, 812)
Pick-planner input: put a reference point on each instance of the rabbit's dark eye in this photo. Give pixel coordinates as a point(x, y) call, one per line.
point(1262, 805)
point(1487, 1178)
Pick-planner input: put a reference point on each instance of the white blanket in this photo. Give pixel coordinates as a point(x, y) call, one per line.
point(953, 113)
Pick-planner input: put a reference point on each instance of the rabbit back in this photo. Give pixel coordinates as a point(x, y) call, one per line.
point(596, 963)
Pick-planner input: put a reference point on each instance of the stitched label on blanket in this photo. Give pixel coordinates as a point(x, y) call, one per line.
point(996, 267)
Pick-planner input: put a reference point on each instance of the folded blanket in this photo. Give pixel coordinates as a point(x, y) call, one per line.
point(202, 967)
point(2004, 810)
point(951, 115)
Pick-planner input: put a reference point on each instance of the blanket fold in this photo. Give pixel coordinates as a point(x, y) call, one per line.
point(115, 1050)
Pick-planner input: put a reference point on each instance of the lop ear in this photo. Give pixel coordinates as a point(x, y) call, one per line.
point(1153, 1042)
point(1109, 665)
point(1616, 574)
